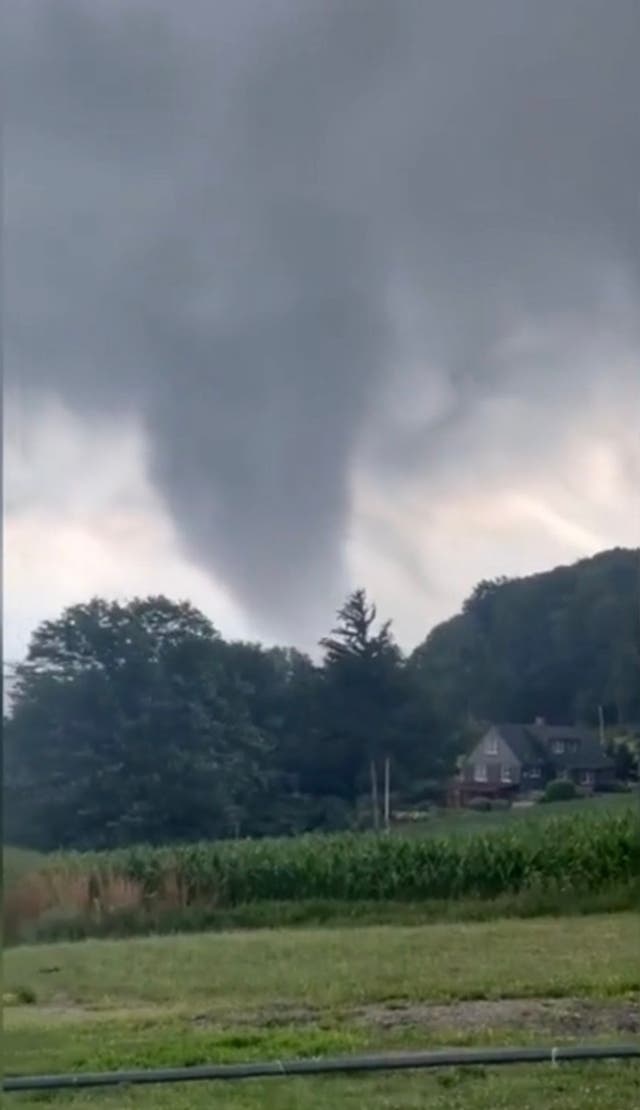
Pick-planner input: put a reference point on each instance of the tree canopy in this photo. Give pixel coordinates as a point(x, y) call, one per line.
point(127, 726)
point(558, 645)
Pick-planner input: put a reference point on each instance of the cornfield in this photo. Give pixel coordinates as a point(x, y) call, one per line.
point(567, 854)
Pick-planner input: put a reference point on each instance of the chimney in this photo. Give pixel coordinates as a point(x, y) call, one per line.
point(540, 722)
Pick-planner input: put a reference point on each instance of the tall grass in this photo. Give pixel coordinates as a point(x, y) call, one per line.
point(16, 863)
point(565, 857)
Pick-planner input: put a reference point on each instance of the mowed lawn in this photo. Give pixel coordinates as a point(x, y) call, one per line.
point(323, 968)
point(277, 994)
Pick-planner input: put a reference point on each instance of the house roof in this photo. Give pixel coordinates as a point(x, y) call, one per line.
point(533, 744)
point(524, 745)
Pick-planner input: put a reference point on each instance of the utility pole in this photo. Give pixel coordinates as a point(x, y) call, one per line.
point(375, 805)
point(387, 791)
point(601, 723)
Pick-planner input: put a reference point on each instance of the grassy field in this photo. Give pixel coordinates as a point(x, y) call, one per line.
point(276, 994)
point(469, 822)
point(571, 1087)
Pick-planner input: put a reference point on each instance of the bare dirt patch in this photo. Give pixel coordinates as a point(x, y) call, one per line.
point(278, 1014)
point(570, 1016)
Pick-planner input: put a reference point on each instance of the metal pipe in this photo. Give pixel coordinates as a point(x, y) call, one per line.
point(330, 1065)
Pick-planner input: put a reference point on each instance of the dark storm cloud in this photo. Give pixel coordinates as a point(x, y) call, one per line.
point(212, 206)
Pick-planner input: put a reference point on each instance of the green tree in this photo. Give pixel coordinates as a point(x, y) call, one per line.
point(126, 727)
point(282, 688)
point(559, 645)
point(364, 691)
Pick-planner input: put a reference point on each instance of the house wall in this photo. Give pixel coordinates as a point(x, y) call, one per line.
point(599, 777)
point(492, 762)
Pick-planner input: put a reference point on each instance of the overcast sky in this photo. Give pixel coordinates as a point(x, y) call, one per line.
point(307, 294)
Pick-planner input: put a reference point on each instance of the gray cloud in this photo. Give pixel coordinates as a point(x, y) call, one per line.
point(216, 213)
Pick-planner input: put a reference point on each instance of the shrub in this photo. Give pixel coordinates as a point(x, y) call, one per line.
point(423, 791)
point(20, 996)
point(560, 790)
point(480, 804)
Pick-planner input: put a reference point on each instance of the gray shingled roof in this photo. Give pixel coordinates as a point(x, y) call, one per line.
point(532, 744)
point(524, 745)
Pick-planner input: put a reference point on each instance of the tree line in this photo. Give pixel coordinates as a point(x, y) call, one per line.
point(138, 722)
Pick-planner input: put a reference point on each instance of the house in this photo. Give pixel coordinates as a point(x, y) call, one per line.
point(514, 759)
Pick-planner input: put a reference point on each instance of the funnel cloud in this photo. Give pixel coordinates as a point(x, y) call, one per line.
point(349, 268)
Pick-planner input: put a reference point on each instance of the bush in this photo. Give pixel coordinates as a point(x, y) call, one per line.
point(560, 790)
point(331, 815)
point(480, 804)
point(423, 792)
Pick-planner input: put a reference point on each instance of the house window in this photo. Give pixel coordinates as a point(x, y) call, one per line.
point(491, 745)
point(558, 747)
point(506, 773)
point(587, 778)
point(480, 772)
point(535, 772)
